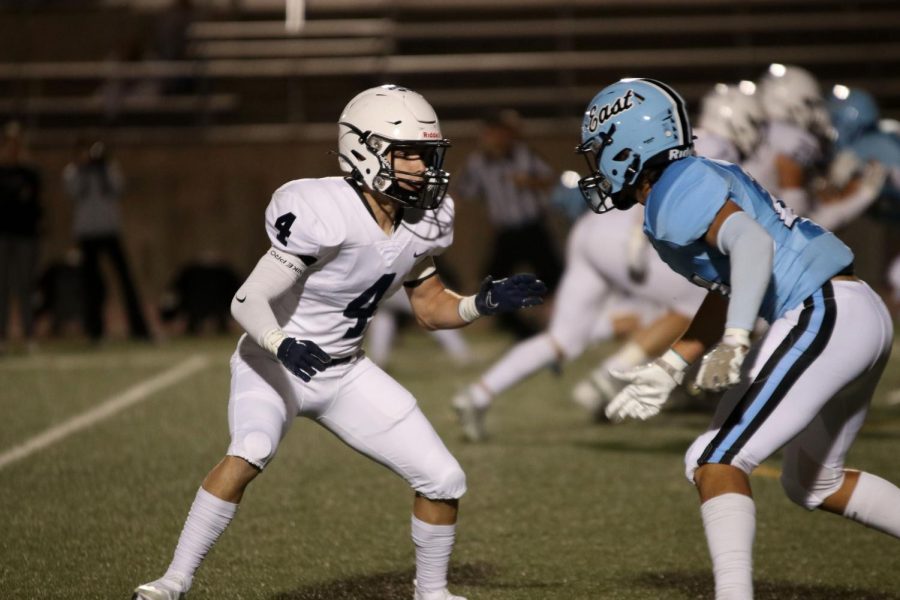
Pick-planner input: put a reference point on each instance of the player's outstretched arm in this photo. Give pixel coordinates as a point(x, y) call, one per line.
point(274, 274)
point(437, 307)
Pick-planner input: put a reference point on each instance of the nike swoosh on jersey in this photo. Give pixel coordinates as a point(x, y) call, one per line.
point(240, 299)
point(418, 254)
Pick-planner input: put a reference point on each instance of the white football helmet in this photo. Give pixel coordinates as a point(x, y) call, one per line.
point(790, 93)
point(737, 116)
point(384, 119)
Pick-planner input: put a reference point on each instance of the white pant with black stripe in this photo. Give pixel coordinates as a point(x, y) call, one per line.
point(807, 386)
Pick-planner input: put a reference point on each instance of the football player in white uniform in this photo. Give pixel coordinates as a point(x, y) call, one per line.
point(594, 272)
point(338, 246)
point(731, 124)
point(786, 154)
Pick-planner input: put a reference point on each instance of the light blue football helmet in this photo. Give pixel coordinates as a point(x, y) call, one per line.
point(853, 112)
point(628, 126)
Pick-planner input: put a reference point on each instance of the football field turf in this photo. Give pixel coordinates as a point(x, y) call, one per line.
point(557, 508)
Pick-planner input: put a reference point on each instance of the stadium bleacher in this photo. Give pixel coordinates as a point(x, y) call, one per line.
point(543, 58)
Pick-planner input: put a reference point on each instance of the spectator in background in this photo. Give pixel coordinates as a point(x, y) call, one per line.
point(20, 214)
point(514, 182)
point(201, 292)
point(95, 184)
point(60, 294)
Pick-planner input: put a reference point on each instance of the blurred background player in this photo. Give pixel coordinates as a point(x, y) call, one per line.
point(20, 218)
point(339, 245)
point(609, 269)
point(382, 333)
point(856, 120)
point(806, 386)
point(514, 182)
point(796, 154)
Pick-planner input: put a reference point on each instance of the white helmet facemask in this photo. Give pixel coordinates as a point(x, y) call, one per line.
point(383, 124)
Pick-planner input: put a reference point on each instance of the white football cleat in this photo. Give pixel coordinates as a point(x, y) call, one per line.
point(471, 417)
point(443, 594)
point(169, 588)
point(595, 391)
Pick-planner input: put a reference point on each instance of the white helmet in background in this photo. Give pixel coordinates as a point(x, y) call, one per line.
point(734, 114)
point(385, 119)
point(790, 93)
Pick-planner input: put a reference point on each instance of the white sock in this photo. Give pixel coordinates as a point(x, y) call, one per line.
point(208, 518)
point(730, 524)
point(875, 503)
point(523, 360)
point(629, 355)
point(434, 543)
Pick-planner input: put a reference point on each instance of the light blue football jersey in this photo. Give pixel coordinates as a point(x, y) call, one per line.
point(682, 206)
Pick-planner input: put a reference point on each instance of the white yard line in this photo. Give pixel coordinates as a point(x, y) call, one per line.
point(133, 395)
point(77, 362)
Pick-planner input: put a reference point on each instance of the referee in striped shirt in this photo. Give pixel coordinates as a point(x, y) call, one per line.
point(514, 183)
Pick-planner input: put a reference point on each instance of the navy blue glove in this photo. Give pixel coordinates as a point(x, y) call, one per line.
point(508, 294)
point(303, 358)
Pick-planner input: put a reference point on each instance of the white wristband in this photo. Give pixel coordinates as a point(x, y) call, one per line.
point(271, 340)
point(674, 360)
point(468, 312)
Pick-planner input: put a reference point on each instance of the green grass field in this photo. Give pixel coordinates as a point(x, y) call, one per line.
point(557, 508)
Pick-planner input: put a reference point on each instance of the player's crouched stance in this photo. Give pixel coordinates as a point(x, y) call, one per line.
point(338, 246)
point(806, 386)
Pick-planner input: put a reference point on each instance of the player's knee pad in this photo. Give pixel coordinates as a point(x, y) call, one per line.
point(255, 445)
point(808, 483)
point(448, 483)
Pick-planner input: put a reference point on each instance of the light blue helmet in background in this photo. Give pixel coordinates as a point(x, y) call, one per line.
point(630, 125)
point(853, 112)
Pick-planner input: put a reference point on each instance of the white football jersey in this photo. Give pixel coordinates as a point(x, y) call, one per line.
point(714, 146)
point(783, 139)
point(606, 241)
point(351, 262)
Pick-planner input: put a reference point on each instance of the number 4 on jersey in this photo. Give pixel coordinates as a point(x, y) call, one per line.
point(283, 225)
point(365, 305)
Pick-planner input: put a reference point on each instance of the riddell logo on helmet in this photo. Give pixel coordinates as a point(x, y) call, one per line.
point(600, 115)
point(431, 135)
point(676, 153)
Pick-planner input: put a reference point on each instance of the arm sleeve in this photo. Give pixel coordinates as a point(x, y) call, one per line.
point(274, 274)
point(750, 250)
